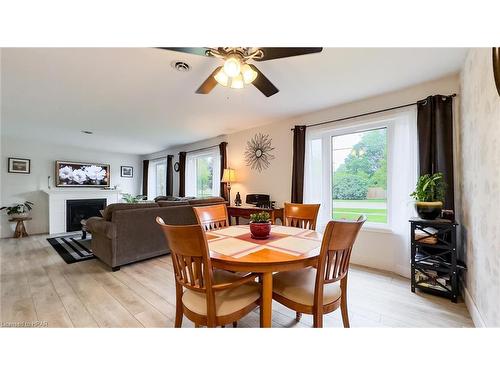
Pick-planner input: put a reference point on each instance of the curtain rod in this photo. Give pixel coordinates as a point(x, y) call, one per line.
point(370, 113)
point(201, 149)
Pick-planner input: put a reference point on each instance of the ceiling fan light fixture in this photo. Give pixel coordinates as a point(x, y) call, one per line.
point(248, 73)
point(237, 82)
point(221, 78)
point(232, 66)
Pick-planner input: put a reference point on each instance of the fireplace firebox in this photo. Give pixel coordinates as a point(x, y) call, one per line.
point(79, 209)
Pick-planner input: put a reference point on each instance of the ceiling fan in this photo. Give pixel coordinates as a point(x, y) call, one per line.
point(237, 71)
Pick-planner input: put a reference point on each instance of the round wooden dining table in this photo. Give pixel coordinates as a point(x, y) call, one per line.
point(286, 249)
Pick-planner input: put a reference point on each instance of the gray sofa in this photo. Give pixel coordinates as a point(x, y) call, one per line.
point(128, 233)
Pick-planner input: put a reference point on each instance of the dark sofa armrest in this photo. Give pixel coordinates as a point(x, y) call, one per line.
point(97, 225)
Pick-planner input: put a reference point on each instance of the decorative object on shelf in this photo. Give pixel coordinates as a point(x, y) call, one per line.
point(75, 174)
point(17, 165)
point(260, 225)
point(177, 166)
point(258, 152)
point(496, 66)
point(19, 210)
point(237, 201)
point(429, 195)
point(129, 198)
point(227, 177)
point(114, 187)
point(126, 171)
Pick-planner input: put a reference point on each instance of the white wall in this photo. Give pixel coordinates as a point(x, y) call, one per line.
point(480, 187)
point(16, 188)
point(373, 249)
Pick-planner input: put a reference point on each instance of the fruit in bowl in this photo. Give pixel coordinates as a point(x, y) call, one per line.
point(260, 225)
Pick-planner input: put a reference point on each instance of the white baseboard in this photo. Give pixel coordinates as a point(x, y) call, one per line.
point(404, 271)
point(473, 310)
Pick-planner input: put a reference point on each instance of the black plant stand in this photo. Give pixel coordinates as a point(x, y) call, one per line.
point(435, 266)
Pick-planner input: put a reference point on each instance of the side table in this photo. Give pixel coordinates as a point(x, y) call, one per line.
point(246, 211)
point(20, 228)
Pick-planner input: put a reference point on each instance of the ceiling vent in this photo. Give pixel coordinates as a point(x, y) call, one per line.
point(180, 66)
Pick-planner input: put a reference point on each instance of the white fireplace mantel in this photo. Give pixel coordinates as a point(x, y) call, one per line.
point(57, 203)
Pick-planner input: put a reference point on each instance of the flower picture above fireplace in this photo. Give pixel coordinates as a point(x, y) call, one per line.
point(82, 174)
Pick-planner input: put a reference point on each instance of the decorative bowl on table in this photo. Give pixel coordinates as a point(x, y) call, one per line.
point(260, 225)
point(20, 215)
point(260, 231)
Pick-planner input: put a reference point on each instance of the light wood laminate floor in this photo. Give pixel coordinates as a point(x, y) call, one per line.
point(37, 285)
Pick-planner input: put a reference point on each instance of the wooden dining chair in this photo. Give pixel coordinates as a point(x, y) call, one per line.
point(321, 289)
point(301, 215)
point(207, 297)
point(212, 217)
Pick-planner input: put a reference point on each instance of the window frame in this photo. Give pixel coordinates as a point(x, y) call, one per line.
point(191, 161)
point(153, 177)
point(351, 127)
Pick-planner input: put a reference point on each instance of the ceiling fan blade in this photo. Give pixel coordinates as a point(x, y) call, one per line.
point(271, 53)
point(201, 51)
point(209, 83)
point(263, 84)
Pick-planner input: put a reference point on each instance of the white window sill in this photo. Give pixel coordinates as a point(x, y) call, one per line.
point(376, 229)
point(367, 227)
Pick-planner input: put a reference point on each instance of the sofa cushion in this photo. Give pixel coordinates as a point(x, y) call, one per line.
point(206, 201)
point(108, 211)
point(172, 203)
point(171, 198)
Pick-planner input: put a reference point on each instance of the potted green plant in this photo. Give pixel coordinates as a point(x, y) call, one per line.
point(129, 198)
point(429, 195)
point(260, 225)
point(19, 210)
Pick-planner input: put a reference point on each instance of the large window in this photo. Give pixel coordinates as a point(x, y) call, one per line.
point(365, 166)
point(359, 175)
point(203, 173)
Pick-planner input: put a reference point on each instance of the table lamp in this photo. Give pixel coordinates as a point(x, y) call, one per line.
point(228, 176)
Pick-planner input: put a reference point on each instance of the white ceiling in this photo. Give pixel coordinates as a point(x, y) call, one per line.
point(135, 102)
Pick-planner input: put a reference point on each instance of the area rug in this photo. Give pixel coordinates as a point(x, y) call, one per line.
point(72, 248)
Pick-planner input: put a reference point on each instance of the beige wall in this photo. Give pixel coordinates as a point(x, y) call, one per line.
point(374, 249)
point(480, 186)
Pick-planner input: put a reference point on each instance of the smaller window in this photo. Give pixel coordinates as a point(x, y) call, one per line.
point(161, 179)
point(203, 173)
point(157, 178)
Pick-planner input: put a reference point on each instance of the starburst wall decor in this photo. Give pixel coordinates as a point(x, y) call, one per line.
point(258, 152)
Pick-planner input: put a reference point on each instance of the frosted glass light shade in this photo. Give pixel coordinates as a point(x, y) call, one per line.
point(232, 67)
point(248, 73)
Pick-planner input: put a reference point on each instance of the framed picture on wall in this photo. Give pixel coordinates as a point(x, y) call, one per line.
point(127, 171)
point(75, 174)
point(17, 165)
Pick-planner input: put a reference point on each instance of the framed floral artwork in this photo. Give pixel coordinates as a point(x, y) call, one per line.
point(75, 174)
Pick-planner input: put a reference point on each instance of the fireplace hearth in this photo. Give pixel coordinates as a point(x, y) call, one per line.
point(79, 209)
